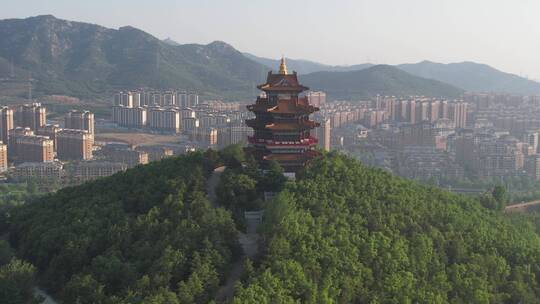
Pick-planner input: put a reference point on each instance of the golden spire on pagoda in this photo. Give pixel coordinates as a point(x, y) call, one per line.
point(283, 66)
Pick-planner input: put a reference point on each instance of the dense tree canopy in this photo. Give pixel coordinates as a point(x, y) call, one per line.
point(148, 235)
point(339, 233)
point(343, 233)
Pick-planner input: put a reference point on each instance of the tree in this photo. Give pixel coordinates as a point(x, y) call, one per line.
point(237, 191)
point(499, 194)
point(233, 156)
point(31, 186)
point(213, 157)
point(344, 233)
point(17, 279)
point(84, 289)
point(496, 200)
point(6, 253)
point(128, 238)
point(273, 179)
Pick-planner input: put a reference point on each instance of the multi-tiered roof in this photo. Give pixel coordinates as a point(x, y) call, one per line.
point(281, 124)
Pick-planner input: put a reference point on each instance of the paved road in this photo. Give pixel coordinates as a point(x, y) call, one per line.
point(248, 241)
point(522, 207)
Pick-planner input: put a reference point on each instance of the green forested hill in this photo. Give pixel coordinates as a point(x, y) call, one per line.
point(81, 59)
point(379, 79)
point(148, 235)
point(339, 233)
point(343, 233)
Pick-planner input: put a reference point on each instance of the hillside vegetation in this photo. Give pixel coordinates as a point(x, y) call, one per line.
point(379, 79)
point(148, 235)
point(339, 233)
point(86, 60)
point(343, 233)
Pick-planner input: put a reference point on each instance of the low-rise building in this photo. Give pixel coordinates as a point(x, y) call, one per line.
point(38, 171)
point(128, 156)
point(155, 153)
point(91, 170)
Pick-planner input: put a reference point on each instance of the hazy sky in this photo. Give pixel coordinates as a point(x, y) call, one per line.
point(501, 33)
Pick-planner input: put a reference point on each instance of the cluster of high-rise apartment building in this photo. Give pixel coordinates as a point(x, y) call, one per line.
point(148, 98)
point(419, 109)
point(26, 138)
point(388, 110)
point(481, 136)
point(155, 110)
point(209, 124)
point(65, 154)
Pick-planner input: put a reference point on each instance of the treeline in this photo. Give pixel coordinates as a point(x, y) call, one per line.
point(343, 233)
point(147, 235)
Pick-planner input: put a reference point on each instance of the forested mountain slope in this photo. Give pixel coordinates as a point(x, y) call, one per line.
point(85, 60)
point(375, 80)
point(148, 235)
point(343, 233)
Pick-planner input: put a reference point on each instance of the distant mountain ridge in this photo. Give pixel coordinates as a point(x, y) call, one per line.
point(83, 59)
point(169, 41)
point(473, 76)
point(379, 79)
point(469, 76)
point(88, 61)
point(306, 66)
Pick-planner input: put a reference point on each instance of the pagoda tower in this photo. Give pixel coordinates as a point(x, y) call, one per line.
point(281, 125)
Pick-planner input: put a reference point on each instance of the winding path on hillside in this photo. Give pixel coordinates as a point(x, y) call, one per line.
point(248, 241)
